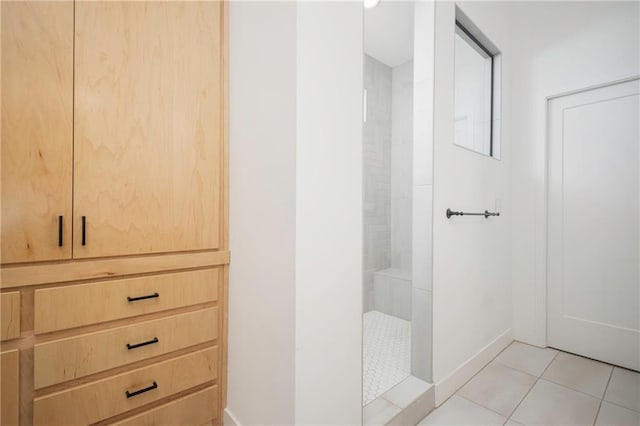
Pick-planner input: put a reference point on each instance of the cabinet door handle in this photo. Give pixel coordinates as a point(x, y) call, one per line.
point(59, 231)
point(139, 391)
point(137, 345)
point(148, 296)
point(84, 230)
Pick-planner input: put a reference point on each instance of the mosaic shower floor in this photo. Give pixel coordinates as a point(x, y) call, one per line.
point(387, 353)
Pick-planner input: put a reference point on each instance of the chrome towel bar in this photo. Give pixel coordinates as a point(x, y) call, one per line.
point(486, 214)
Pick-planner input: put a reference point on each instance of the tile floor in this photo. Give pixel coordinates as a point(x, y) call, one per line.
point(404, 404)
point(526, 385)
point(387, 353)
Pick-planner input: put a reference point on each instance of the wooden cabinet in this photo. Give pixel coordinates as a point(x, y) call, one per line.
point(37, 125)
point(127, 112)
point(113, 285)
point(148, 127)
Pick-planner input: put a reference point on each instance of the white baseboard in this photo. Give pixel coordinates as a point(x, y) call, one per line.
point(229, 419)
point(458, 377)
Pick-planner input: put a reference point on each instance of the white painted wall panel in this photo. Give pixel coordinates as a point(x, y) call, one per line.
point(471, 255)
point(262, 138)
point(561, 47)
point(329, 214)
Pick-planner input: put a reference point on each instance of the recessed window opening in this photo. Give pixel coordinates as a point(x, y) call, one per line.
point(476, 94)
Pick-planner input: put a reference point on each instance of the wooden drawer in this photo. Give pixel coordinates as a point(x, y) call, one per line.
point(9, 388)
point(102, 399)
point(195, 409)
point(73, 357)
point(9, 315)
point(60, 308)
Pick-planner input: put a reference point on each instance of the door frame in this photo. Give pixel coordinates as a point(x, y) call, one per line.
point(542, 212)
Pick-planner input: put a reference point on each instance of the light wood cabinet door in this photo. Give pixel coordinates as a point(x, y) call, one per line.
point(37, 125)
point(148, 127)
point(9, 388)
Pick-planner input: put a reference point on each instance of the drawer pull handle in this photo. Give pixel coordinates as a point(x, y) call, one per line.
point(59, 231)
point(84, 230)
point(148, 296)
point(137, 345)
point(139, 391)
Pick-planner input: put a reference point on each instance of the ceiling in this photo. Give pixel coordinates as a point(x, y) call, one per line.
point(388, 32)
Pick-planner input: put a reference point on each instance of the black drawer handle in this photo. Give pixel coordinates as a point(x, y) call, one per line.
point(84, 230)
point(149, 296)
point(138, 392)
point(137, 345)
point(59, 231)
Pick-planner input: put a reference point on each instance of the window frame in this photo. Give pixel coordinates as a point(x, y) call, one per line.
point(468, 36)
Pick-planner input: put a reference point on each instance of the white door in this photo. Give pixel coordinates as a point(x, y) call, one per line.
point(593, 224)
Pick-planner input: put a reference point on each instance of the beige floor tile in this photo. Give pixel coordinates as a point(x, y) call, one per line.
point(581, 374)
point(405, 392)
point(624, 388)
point(379, 412)
point(460, 411)
point(550, 404)
point(512, 422)
point(417, 410)
point(527, 358)
point(614, 415)
point(498, 387)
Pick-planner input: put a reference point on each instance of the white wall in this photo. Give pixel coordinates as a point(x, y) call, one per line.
point(262, 138)
point(471, 255)
point(295, 287)
point(329, 214)
point(558, 47)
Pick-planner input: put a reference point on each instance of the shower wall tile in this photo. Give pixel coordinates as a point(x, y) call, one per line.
point(401, 165)
point(377, 175)
point(392, 294)
point(382, 293)
point(423, 94)
point(421, 334)
point(401, 299)
point(422, 237)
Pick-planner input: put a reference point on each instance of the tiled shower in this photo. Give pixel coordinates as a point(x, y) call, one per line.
point(388, 149)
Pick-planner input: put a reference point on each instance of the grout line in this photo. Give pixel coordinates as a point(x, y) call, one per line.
point(532, 386)
point(606, 388)
point(456, 393)
point(481, 406)
point(472, 377)
point(615, 403)
point(621, 406)
point(575, 390)
point(602, 399)
point(481, 370)
point(538, 378)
